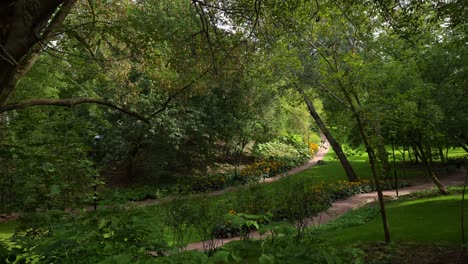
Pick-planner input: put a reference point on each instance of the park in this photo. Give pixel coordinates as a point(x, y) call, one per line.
point(233, 131)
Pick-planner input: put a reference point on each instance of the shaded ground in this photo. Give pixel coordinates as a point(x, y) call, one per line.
point(323, 150)
point(414, 253)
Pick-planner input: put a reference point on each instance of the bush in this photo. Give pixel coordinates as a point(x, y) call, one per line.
point(253, 200)
point(203, 183)
point(139, 193)
point(344, 189)
point(107, 236)
point(313, 148)
point(287, 153)
point(260, 170)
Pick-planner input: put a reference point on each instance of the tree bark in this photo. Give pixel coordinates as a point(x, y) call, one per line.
point(383, 158)
point(25, 25)
point(70, 102)
point(360, 124)
point(371, 155)
point(335, 145)
point(464, 147)
point(417, 155)
point(429, 170)
point(409, 155)
point(441, 155)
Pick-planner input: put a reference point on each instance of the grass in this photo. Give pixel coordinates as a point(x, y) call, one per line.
point(7, 230)
point(332, 171)
point(432, 219)
point(328, 173)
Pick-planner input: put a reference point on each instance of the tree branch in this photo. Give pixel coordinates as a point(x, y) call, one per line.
point(69, 103)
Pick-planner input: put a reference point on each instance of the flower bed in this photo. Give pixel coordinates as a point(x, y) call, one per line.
point(261, 170)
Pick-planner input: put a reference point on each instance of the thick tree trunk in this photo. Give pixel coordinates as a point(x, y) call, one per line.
point(25, 25)
point(335, 145)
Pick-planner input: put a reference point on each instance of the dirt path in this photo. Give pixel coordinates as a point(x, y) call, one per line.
point(323, 150)
point(340, 207)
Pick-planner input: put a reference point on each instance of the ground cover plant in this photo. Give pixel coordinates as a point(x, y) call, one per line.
point(412, 219)
point(181, 99)
point(209, 213)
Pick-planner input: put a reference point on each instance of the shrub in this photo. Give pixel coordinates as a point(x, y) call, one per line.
point(202, 183)
point(344, 189)
point(296, 203)
point(139, 193)
point(262, 169)
point(313, 148)
point(289, 154)
point(104, 236)
point(253, 200)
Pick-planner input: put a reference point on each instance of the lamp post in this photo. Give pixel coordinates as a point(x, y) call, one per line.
point(96, 140)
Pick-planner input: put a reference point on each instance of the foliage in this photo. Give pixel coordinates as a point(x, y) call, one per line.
point(139, 193)
point(103, 236)
point(283, 152)
point(204, 183)
point(259, 170)
point(284, 249)
point(351, 218)
point(313, 148)
point(207, 216)
point(178, 217)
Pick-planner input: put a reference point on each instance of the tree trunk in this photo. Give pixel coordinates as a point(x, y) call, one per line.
point(429, 170)
point(404, 163)
point(416, 155)
point(464, 147)
point(22, 32)
point(383, 158)
point(382, 155)
point(441, 155)
point(409, 155)
point(394, 168)
point(429, 153)
point(371, 153)
point(335, 145)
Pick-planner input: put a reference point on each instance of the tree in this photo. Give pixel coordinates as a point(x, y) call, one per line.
point(25, 27)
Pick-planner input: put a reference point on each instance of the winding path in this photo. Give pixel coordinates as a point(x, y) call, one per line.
point(323, 150)
point(340, 207)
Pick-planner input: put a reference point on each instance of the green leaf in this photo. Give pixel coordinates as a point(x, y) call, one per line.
point(266, 259)
point(252, 224)
point(220, 257)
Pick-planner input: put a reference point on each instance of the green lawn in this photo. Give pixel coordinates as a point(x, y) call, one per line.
point(330, 172)
point(433, 219)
